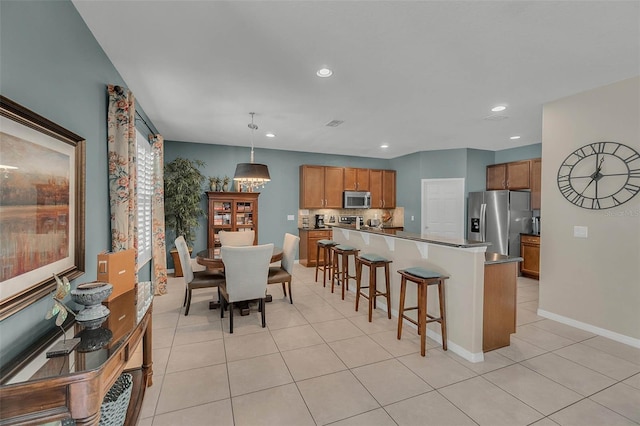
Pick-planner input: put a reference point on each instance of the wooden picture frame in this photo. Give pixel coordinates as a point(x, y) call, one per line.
point(42, 206)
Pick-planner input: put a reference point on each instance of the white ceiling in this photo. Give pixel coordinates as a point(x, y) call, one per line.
point(418, 75)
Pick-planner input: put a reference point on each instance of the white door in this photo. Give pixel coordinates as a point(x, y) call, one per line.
point(443, 207)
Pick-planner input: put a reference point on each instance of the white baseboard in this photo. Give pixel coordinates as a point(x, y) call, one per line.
point(627, 340)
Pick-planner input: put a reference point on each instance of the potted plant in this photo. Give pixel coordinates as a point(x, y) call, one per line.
point(225, 183)
point(183, 183)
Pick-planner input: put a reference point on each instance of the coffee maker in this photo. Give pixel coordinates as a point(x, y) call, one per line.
point(319, 221)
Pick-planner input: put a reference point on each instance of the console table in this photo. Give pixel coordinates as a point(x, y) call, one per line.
point(73, 386)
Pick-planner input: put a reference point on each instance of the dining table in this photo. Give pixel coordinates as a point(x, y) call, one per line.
point(210, 258)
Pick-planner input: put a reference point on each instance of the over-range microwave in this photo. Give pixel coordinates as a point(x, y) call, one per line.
point(356, 200)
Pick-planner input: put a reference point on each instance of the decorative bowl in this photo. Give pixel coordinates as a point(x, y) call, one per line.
point(93, 293)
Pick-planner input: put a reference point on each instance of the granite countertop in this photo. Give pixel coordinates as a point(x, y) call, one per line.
point(462, 243)
point(494, 258)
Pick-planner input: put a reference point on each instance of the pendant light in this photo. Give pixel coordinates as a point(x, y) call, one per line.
point(251, 175)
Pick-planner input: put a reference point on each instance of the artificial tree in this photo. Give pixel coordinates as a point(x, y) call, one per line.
point(183, 189)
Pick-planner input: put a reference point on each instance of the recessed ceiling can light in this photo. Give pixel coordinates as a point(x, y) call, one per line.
point(384, 146)
point(324, 72)
point(498, 108)
point(270, 135)
point(514, 137)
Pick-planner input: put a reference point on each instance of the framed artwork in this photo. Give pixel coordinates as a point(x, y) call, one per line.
point(42, 210)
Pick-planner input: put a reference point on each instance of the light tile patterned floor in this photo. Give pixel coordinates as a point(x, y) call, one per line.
point(320, 362)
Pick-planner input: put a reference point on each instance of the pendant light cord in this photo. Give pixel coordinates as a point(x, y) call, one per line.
point(253, 127)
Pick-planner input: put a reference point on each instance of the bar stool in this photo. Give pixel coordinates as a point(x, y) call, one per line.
point(325, 246)
point(373, 261)
point(423, 278)
point(340, 265)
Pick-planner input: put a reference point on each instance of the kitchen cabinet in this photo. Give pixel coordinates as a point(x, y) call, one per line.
point(321, 187)
point(308, 245)
point(514, 175)
point(231, 211)
point(382, 185)
point(536, 181)
point(499, 312)
point(356, 179)
point(530, 252)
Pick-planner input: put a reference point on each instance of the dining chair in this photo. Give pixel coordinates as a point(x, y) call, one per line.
point(284, 273)
point(246, 270)
point(194, 279)
point(237, 238)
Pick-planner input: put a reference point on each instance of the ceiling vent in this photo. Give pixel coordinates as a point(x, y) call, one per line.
point(495, 117)
point(334, 123)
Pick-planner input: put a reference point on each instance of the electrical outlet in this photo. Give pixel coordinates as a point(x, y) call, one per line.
point(580, 231)
point(412, 218)
point(290, 217)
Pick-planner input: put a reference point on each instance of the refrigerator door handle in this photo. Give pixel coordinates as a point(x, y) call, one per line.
point(483, 222)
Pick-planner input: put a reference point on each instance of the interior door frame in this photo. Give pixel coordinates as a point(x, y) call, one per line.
point(462, 195)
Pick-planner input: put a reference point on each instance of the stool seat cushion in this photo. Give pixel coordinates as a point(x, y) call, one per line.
point(422, 273)
point(372, 257)
point(345, 247)
point(327, 242)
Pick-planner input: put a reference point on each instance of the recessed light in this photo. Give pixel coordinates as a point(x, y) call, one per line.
point(270, 135)
point(324, 72)
point(384, 146)
point(498, 108)
point(514, 137)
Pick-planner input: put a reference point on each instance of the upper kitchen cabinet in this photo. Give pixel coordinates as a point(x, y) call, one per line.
point(536, 181)
point(382, 185)
point(356, 179)
point(321, 187)
point(514, 175)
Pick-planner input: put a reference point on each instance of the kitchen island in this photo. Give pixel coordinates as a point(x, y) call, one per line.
point(462, 260)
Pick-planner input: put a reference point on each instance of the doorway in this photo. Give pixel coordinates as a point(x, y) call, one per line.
point(443, 207)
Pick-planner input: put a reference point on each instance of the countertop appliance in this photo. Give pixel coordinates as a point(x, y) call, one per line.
point(373, 222)
point(356, 200)
point(499, 217)
point(350, 220)
point(536, 225)
point(319, 221)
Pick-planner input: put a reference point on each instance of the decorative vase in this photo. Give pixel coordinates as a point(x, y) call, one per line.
point(225, 187)
point(91, 296)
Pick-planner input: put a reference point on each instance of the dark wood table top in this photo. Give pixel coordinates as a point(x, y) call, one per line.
point(212, 260)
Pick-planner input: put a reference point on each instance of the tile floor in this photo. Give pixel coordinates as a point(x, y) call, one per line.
point(320, 362)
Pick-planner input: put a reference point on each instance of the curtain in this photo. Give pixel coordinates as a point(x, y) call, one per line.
point(158, 247)
point(121, 140)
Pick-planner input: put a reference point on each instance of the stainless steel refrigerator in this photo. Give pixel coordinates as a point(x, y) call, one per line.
point(499, 217)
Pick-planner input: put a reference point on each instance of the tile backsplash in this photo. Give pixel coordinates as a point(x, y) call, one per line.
point(397, 215)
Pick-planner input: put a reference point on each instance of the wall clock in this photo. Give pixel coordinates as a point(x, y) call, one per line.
point(600, 175)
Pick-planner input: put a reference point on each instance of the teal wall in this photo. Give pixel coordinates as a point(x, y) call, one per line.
point(52, 65)
point(469, 164)
point(278, 198)
point(519, 153)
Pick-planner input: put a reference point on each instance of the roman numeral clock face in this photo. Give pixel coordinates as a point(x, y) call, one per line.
point(600, 175)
